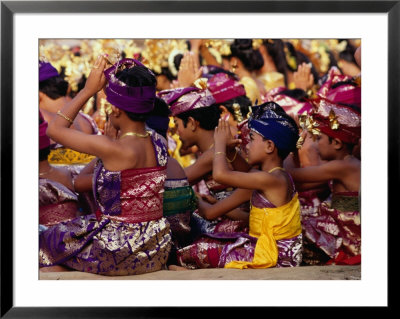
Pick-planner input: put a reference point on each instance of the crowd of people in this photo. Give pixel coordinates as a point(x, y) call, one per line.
point(201, 153)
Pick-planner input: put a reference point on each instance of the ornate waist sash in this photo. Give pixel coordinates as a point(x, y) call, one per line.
point(139, 197)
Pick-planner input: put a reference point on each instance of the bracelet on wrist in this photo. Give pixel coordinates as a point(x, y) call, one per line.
point(220, 153)
point(65, 117)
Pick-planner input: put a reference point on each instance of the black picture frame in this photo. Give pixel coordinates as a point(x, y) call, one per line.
point(9, 8)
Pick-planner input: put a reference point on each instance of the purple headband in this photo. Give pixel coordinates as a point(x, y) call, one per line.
point(46, 71)
point(185, 99)
point(131, 99)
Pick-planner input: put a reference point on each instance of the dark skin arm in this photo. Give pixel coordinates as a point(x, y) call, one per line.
point(308, 156)
point(59, 129)
point(204, 165)
point(83, 182)
point(223, 174)
point(227, 206)
point(338, 170)
point(200, 168)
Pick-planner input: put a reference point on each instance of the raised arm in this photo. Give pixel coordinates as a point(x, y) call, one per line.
point(223, 174)
point(59, 128)
point(335, 169)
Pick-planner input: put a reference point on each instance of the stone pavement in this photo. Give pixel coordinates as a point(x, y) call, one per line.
point(333, 272)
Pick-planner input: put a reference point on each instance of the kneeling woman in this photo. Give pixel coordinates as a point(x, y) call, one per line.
point(128, 235)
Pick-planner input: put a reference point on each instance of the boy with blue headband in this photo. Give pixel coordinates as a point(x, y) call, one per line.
point(275, 228)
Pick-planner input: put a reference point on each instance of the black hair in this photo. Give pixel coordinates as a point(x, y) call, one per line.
point(54, 87)
point(332, 60)
point(348, 53)
point(80, 85)
point(160, 108)
point(44, 153)
point(136, 77)
point(347, 82)
point(207, 117)
point(167, 73)
point(297, 94)
point(276, 49)
point(244, 103)
point(243, 50)
point(291, 51)
point(212, 70)
point(177, 60)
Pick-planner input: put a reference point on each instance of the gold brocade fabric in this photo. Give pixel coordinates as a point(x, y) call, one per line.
point(67, 156)
point(107, 247)
point(252, 91)
point(270, 225)
point(272, 80)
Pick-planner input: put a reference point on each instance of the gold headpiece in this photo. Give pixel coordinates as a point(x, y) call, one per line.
point(307, 122)
point(257, 43)
point(201, 83)
point(160, 53)
point(249, 113)
point(61, 55)
point(237, 112)
point(321, 57)
point(341, 46)
point(333, 120)
point(222, 46)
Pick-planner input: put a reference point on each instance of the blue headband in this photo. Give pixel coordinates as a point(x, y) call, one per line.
point(270, 121)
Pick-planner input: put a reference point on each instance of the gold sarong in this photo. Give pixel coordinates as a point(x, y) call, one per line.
point(270, 225)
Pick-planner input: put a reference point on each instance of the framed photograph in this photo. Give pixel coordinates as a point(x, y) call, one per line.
point(25, 23)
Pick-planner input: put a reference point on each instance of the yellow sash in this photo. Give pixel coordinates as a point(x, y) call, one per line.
point(270, 225)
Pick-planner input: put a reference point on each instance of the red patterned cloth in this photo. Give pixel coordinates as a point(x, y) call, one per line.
point(53, 214)
point(57, 203)
point(141, 195)
point(336, 230)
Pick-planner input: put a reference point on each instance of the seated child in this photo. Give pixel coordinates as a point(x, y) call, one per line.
point(336, 230)
point(274, 237)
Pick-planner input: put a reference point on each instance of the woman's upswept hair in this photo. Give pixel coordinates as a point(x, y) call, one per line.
point(136, 77)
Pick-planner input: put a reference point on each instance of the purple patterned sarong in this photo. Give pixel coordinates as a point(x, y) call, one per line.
point(109, 244)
